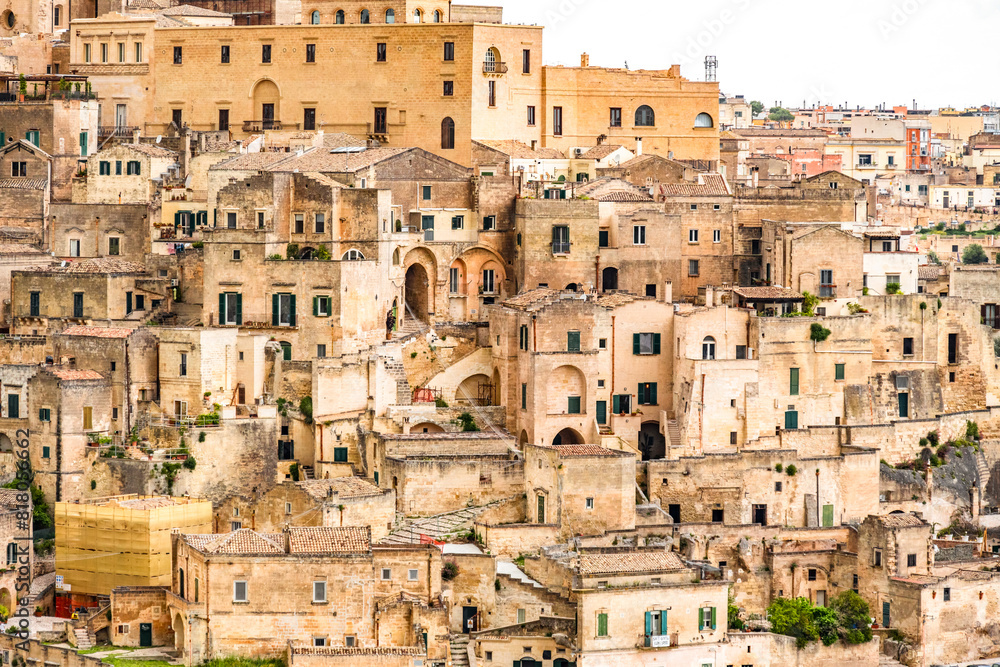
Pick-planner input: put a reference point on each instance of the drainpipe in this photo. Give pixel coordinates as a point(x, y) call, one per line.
point(819, 523)
point(613, 361)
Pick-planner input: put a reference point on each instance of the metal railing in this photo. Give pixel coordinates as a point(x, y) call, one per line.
point(494, 67)
point(261, 125)
point(116, 131)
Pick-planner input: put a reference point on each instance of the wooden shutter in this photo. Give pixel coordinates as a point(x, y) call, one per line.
point(239, 308)
point(315, 306)
point(635, 343)
point(713, 618)
point(663, 622)
point(616, 404)
point(291, 311)
point(649, 623)
point(641, 393)
point(656, 343)
point(275, 307)
point(651, 393)
point(222, 308)
point(793, 381)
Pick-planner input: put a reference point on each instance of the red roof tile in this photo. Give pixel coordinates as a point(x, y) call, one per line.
point(97, 332)
point(70, 374)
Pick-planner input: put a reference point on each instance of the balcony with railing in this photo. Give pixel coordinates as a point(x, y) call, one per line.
point(267, 124)
point(120, 131)
point(828, 291)
point(867, 165)
point(494, 67)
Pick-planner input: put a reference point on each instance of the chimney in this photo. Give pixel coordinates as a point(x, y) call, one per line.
point(638, 145)
point(584, 60)
point(668, 292)
point(135, 136)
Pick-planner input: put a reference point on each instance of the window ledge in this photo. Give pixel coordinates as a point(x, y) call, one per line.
point(320, 603)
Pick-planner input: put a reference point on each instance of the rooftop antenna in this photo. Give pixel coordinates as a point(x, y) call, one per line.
point(711, 68)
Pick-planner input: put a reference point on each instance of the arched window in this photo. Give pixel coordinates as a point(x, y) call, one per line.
point(708, 348)
point(644, 117)
point(352, 255)
point(492, 59)
point(447, 133)
point(703, 120)
point(417, 15)
point(180, 579)
point(339, 17)
point(364, 16)
point(12, 553)
point(437, 15)
point(286, 350)
point(395, 257)
point(390, 16)
point(314, 19)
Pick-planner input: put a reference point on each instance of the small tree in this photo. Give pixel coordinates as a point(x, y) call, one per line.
point(22, 85)
point(933, 258)
point(756, 106)
point(818, 333)
point(854, 615)
point(780, 114)
point(893, 288)
point(809, 303)
point(974, 254)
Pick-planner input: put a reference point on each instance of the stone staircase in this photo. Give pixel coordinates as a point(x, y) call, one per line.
point(673, 433)
point(85, 639)
point(404, 395)
point(983, 468)
point(441, 527)
point(307, 472)
point(887, 661)
point(39, 585)
point(411, 326)
point(604, 429)
point(460, 651)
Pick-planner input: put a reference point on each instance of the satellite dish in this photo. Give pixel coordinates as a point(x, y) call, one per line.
point(158, 137)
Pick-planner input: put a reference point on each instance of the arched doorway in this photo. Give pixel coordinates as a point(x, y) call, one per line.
point(609, 279)
point(286, 350)
point(180, 641)
point(267, 103)
point(426, 427)
point(572, 287)
point(417, 292)
point(568, 436)
point(5, 444)
point(652, 444)
point(523, 439)
point(469, 392)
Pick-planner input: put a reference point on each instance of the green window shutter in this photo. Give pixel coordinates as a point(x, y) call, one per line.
point(517, 663)
point(701, 619)
point(239, 308)
point(222, 307)
point(649, 623)
point(652, 393)
point(291, 310)
point(641, 393)
point(839, 372)
point(274, 309)
point(713, 618)
point(524, 397)
point(635, 343)
point(616, 404)
point(656, 343)
point(793, 381)
point(3, 139)
point(83, 144)
point(602, 625)
point(138, 168)
point(663, 622)
point(177, 214)
point(573, 341)
point(315, 306)
point(573, 405)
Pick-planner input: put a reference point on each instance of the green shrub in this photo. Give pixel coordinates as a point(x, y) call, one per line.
point(440, 403)
point(322, 253)
point(306, 408)
point(778, 467)
point(449, 570)
point(818, 333)
point(893, 288)
point(292, 251)
point(468, 422)
point(791, 470)
point(971, 430)
point(932, 437)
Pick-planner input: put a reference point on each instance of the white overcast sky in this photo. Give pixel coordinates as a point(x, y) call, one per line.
point(941, 52)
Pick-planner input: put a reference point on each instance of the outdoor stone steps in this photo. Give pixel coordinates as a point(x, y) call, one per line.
point(673, 433)
point(308, 472)
point(886, 661)
point(435, 527)
point(84, 639)
point(460, 651)
point(983, 469)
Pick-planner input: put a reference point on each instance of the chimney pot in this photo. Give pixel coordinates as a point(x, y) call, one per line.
point(584, 60)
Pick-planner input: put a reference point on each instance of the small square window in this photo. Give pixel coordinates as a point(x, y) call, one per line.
point(237, 255)
point(694, 207)
point(386, 574)
point(602, 343)
point(590, 503)
point(911, 560)
point(412, 575)
point(777, 487)
point(600, 384)
point(716, 207)
point(449, 88)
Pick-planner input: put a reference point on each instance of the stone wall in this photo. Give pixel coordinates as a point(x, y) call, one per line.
point(135, 606)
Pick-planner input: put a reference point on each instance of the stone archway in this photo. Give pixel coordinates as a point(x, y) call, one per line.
point(652, 443)
point(180, 634)
point(609, 279)
point(5, 443)
point(267, 104)
point(418, 292)
point(468, 391)
point(568, 436)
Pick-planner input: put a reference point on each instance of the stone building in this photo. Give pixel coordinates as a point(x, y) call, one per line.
point(25, 190)
point(100, 230)
point(15, 257)
point(127, 173)
point(383, 596)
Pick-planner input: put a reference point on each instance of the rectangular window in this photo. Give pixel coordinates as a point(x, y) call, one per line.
point(458, 222)
point(386, 574)
point(223, 119)
point(793, 381)
point(692, 236)
point(560, 240)
point(616, 117)
point(44, 414)
point(449, 88)
point(602, 624)
point(118, 167)
point(230, 308)
point(716, 236)
point(449, 51)
point(310, 53)
point(86, 53)
point(557, 121)
point(911, 560)
point(283, 310)
point(178, 55)
point(88, 418)
point(319, 591)
point(340, 454)
point(224, 58)
point(260, 219)
point(425, 192)
point(309, 119)
point(692, 267)
point(46, 452)
point(531, 116)
point(320, 223)
point(104, 53)
point(381, 122)
point(381, 52)
point(706, 618)
point(114, 245)
point(265, 53)
point(231, 219)
point(239, 591)
point(138, 52)
point(646, 393)
point(838, 371)
point(322, 306)
point(321, 351)
point(133, 168)
point(639, 235)
point(524, 396)
point(947, 595)
point(572, 341)
point(489, 282)
point(18, 169)
point(412, 575)
point(826, 286)
point(453, 280)
point(573, 405)
point(300, 224)
point(907, 347)
point(78, 301)
point(645, 343)
point(526, 61)
point(489, 223)
point(876, 558)
point(182, 369)
point(34, 304)
point(121, 52)
point(491, 87)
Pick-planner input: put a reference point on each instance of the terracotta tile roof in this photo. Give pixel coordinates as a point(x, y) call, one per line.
point(324, 161)
point(519, 150)
point(191, 10)
point(928, 272)
point(623, 196)
point(600, 152)
point(19, 249)
point(567, 451)
point(708, 185)
point(9, 498)
point(901, 520)
point(96, 265)
point(881, 233)
point(243, 541)
point(343, 487)
point(445, 435)
point(251, 161)
point(70, 374)
point(629, 563)
point(531, 299)
point(333, 140)
point(97, 332)
point(144, 4)
point(768, 292)
point(777, 132)
point(23, 183)
point(615, 299)
point(152, 150)
point(326, 540)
